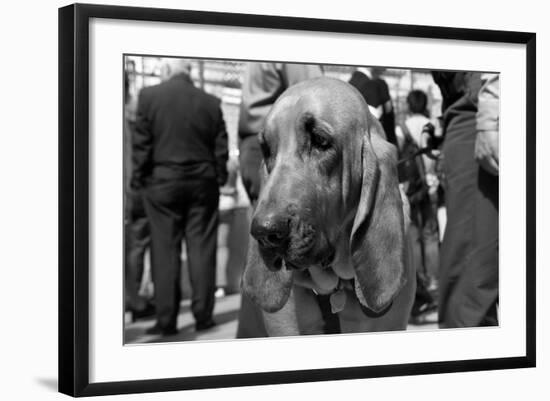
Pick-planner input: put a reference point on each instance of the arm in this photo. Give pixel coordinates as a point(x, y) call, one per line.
point(261, 87)
point(221, 151)
point(487, 120)
point(142, 144)
point(263, 84)
point(388, 117)
point(294, 73)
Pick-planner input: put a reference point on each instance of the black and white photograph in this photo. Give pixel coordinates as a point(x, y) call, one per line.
point(253, 200)
point(274, 198)
point(271, 201)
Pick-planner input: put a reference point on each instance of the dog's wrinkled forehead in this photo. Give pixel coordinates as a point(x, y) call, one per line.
point(335, 102)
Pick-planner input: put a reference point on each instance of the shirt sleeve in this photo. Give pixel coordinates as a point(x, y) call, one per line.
point(294, 73)
point(384, 91)
point(487, 117)
point(221, 149)
point(263, 83)
point(261, 87)
point(142, 143)
point(388, 117)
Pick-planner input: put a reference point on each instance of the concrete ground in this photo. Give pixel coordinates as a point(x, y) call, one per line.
point(225, 315)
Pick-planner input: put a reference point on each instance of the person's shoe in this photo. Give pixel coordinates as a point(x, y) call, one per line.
point(147, 311)
point(157, 330)
point(424, 318)
point(424, 313)
point(207, 324)
point(220, 292)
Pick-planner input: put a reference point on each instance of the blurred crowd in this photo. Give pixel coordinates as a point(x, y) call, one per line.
point(184, 184)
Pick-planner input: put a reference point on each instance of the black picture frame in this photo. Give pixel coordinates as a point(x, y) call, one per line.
point(74, 198)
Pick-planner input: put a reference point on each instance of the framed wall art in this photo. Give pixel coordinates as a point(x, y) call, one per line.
point(253, 199)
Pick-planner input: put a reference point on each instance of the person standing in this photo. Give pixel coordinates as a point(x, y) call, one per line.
point(474, 301)
point(263, 83)
point(180, 153)
point(136, 225)
point(376, 93)
point(460, 93)
point(418, 177)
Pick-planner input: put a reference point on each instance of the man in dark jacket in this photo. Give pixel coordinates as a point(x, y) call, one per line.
point(376, 93)
point(179, 155)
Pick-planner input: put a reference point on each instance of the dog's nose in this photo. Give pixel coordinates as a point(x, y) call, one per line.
point(271, 231)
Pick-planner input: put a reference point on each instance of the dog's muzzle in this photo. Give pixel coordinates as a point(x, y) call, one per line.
point(283, 239)
point(272, 232)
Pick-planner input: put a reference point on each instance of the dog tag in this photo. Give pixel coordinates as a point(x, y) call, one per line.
point(338, 301)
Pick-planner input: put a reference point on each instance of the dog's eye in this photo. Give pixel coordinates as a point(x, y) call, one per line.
point(266, 152)
point(320, 139)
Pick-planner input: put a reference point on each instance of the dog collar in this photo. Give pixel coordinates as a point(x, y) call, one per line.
point(338, 299)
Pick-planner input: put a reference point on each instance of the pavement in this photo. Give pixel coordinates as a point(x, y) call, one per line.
point(225, 314)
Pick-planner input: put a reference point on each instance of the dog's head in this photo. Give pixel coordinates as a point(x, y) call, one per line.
point(329, 187)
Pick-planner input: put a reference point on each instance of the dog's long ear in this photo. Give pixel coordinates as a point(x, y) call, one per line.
point(268, 289)
point(377, 243)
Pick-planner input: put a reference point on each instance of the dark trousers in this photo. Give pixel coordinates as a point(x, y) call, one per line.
point(425, 256)
point(460, 169)
point(177, 209)
point(137, 239)
point(424, 234)
point(475, 298)
point(468, 285)
point(251, 322)
point(250, 161)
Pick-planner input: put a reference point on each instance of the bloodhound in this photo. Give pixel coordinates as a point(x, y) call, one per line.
point(330, 218)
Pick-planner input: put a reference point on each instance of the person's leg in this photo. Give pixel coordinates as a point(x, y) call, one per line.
point(414, 237)
point(250, 160)
point(430, 242)
point(161, 203)
point(251, 324)
point(133, 301)
point(137, 240)
point(131, 275)
point(423, 300)
point(136, 245)
point(476, 294)
point(460, 171)
point(237, 243)
point(201, 239)
point(223, 252)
